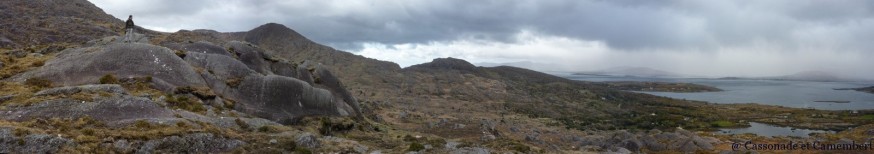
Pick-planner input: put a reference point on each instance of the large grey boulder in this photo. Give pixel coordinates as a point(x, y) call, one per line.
point(108, 109)
point(221, 66)
point(280, 98)
point(284, 68)
point(328, 81)
point(131, 36)
point(250, 55)
point(285, 99)
point(303, 72)
point(307, 140)
point(86, 65)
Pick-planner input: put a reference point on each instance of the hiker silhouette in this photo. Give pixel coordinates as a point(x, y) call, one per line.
point(129, 24)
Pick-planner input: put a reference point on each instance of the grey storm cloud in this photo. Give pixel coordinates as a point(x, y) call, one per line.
point(711, 38)
point(622, 24)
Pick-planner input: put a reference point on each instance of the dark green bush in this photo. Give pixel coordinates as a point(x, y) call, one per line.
point(182, 102)
point(415, 146)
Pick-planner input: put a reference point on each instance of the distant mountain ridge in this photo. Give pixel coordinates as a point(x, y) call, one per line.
point(631, 71)
point(815, 75)
point(809, 76)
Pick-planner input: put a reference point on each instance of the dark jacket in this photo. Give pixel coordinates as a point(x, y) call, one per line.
point(129, 23)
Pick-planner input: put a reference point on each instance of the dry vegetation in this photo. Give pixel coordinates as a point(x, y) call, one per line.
point(13, 65)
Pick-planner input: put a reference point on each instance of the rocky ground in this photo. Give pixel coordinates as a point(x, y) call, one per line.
point(272, 90)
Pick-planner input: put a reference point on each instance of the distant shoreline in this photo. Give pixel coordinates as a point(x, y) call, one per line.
point(677, 87)
point(862, 89)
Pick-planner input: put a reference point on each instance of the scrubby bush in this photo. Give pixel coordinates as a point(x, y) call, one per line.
point(243, 125)
point(234, 82)
point(38, 82)
point(329, 127)
point(415, 146)
point(200, 92)
point(182, 102)
point(521, 148)
point(37, 63)
point(268, 129)
point(302, 150)
point(108, 79)
point(180, 53)
point(142, 124)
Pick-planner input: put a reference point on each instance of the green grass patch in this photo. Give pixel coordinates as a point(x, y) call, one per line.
point(868, 117)
point(722, 123)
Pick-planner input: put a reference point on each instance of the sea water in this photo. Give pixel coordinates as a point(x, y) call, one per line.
point(796, 94)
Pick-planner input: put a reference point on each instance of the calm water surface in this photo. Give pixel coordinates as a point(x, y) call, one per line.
point(770, 130)
point(797, 94)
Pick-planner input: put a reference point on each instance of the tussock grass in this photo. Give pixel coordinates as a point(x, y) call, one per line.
point(13, 65)
point(108, 79)
point(185, 103)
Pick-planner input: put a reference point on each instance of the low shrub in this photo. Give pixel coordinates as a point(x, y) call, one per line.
point(415, 146)
point(185, 103)
point(108, 79)
point(38, 82)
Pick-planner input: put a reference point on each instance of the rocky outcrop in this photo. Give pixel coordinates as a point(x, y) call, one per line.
point(49, 21)
point(250, 55)
point(680, 140)
point(283, 42)
point(285, 99)
point(199, 47)
point(328, 81)
point(280, 98)
point(112, 109)
point(31, 143)
point(189, 143)
point(445, 64)
point(86, 65)
point(109, 88)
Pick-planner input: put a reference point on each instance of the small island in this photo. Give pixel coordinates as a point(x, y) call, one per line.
point(866, 89)
point(863, 89)
point(660, 86)
point(832, 101)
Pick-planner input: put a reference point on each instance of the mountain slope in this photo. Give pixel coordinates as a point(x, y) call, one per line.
point(350, 68)
point(36, 22)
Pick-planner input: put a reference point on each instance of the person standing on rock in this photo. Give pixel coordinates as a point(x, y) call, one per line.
point(129, 30)
point(129, 24)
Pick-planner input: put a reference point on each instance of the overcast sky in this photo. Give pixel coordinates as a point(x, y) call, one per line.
point(711, 38)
